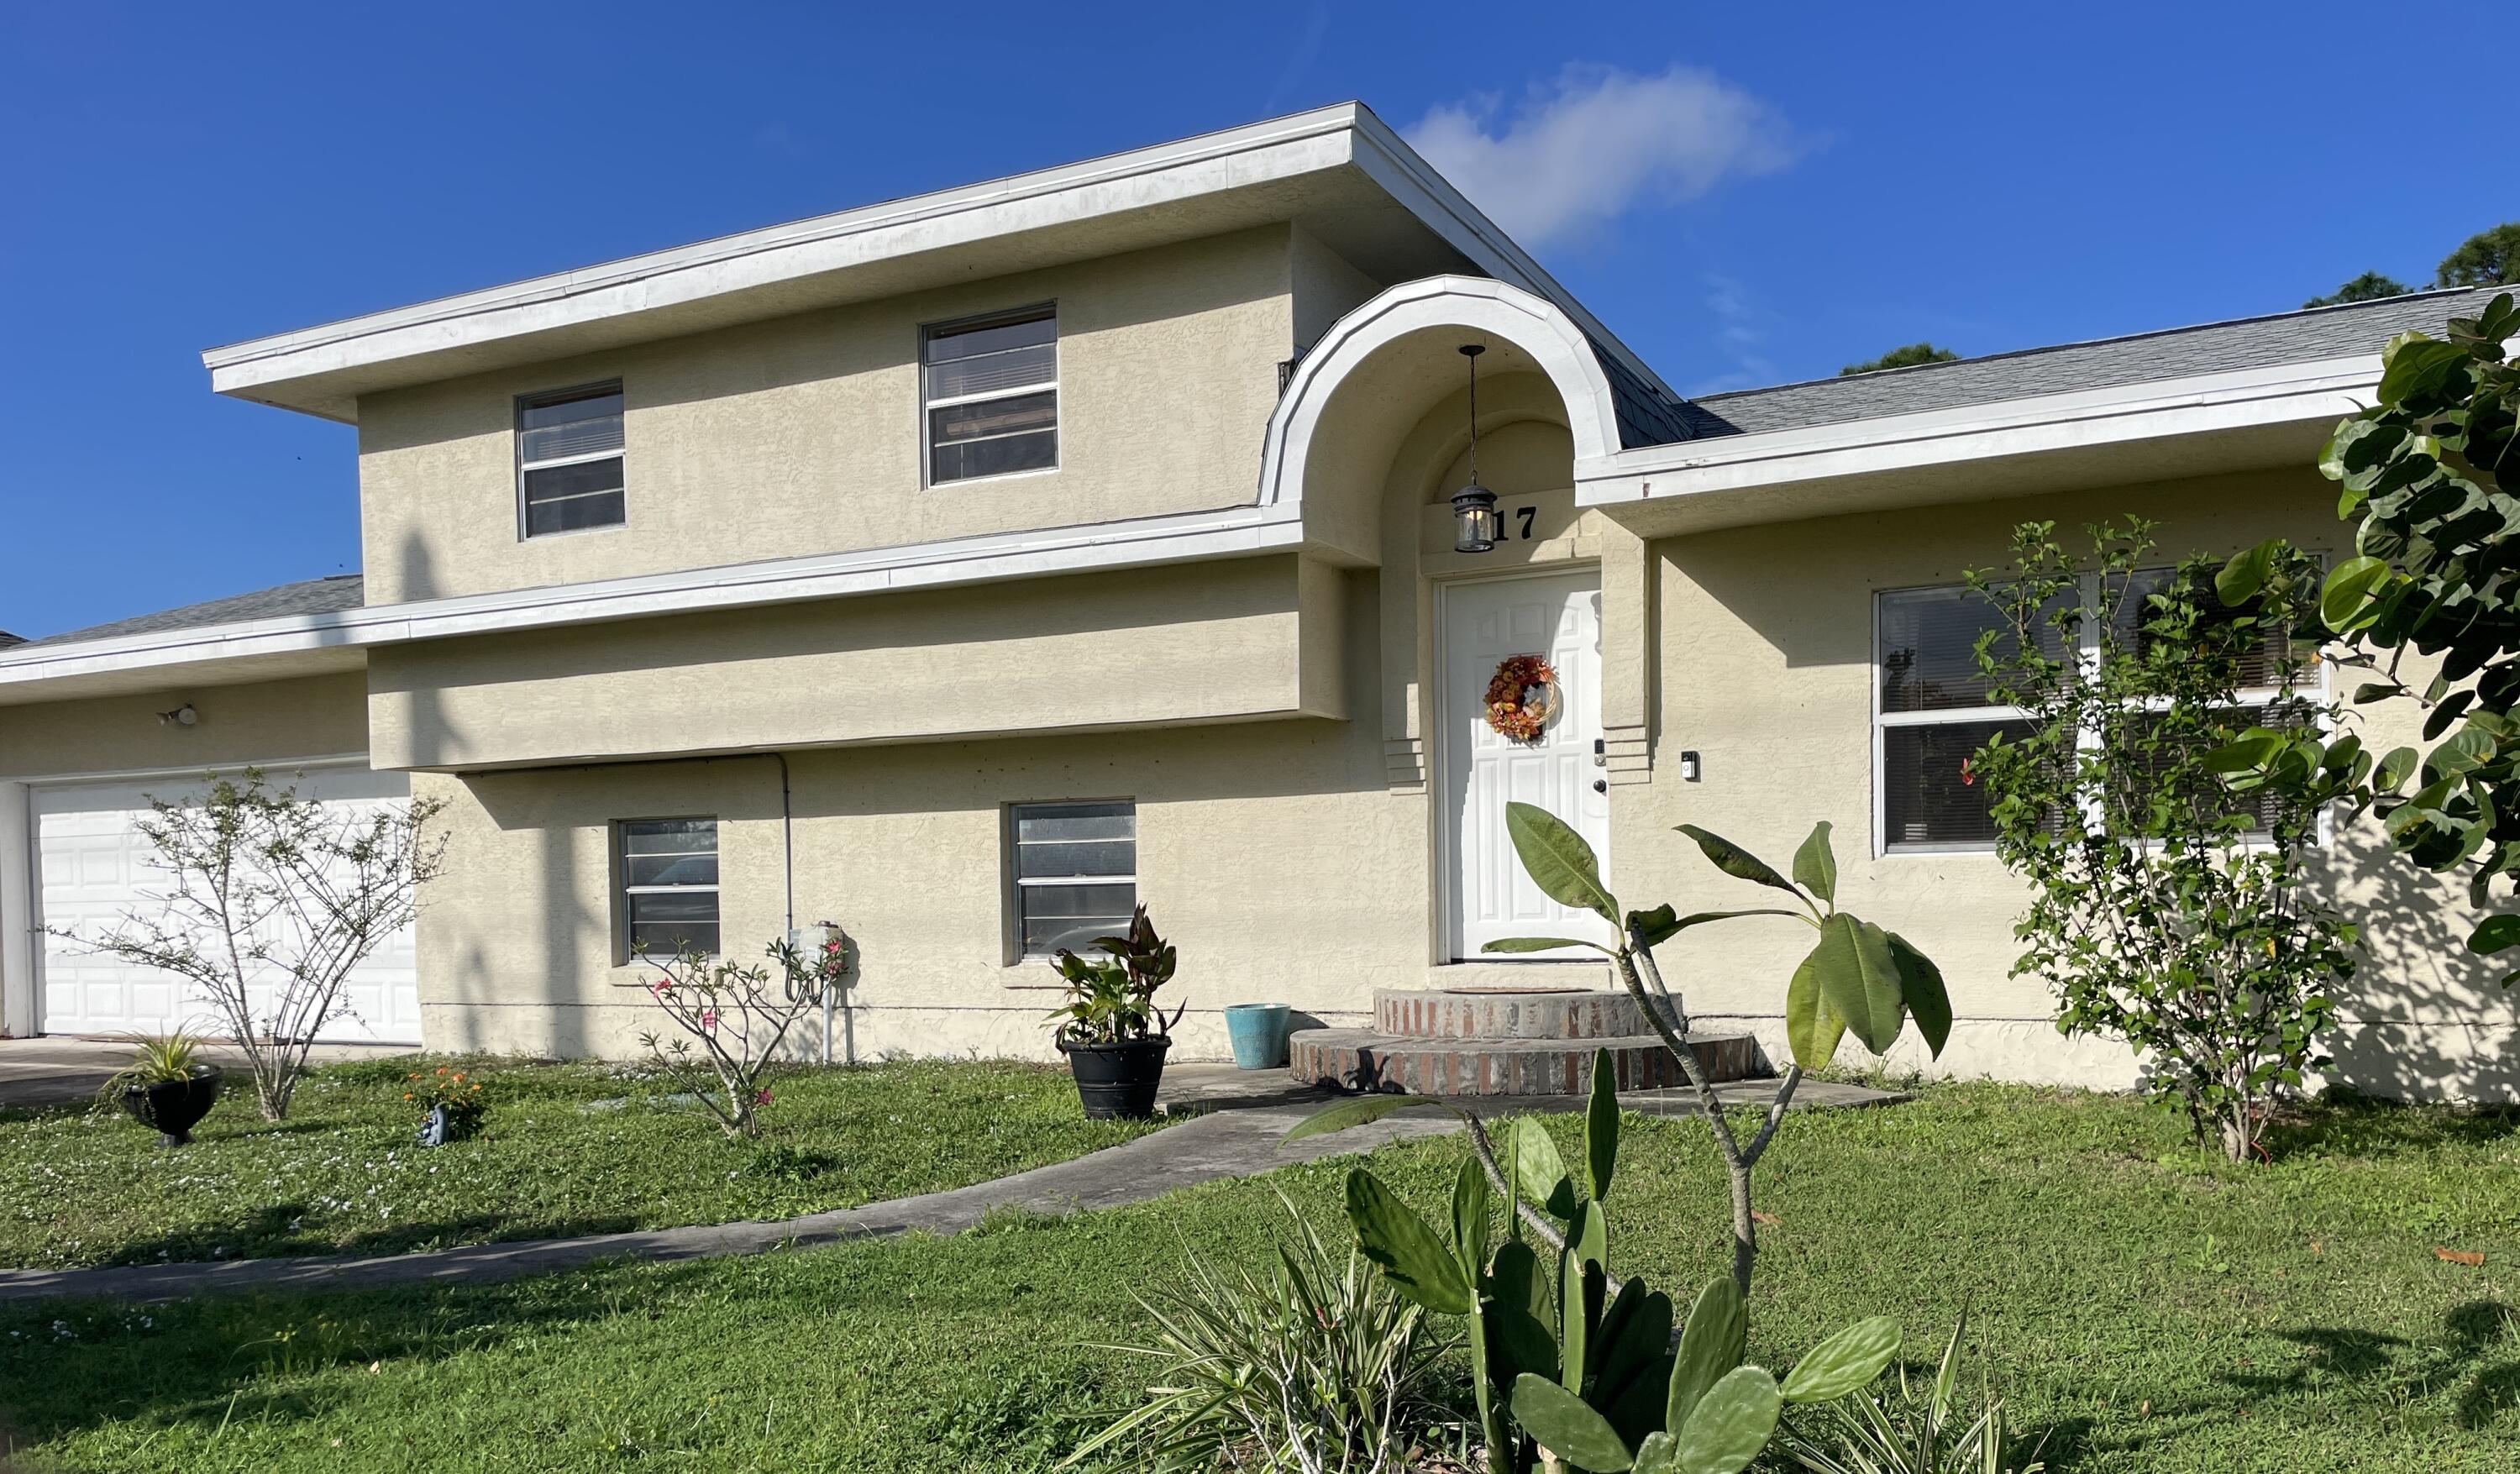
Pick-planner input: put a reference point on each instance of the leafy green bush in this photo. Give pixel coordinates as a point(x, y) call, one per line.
point(2166, 909)
point(2428, 472)
point(1317, 1367)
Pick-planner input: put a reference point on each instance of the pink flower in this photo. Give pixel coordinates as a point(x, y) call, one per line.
point(761, 1096)
point(708, 1018)
point(661, 985)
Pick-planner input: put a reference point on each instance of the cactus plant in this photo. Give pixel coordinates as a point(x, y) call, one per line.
point(1561, 1365)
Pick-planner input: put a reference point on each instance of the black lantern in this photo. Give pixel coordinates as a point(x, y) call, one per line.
point(1474, 514)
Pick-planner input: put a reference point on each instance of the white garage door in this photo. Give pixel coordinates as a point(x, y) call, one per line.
point(92, 867)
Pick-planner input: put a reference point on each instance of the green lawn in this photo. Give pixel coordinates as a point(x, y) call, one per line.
point(2154, 1310)
point(343, 1172)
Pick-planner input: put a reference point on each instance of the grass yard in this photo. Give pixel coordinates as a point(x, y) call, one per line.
point(2154, 1310)
point(343, 1172)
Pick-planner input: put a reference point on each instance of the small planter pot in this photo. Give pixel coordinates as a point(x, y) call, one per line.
point(1116, 1082)
point(172, 1107)
point(442, 1126)
point(1259, 1035)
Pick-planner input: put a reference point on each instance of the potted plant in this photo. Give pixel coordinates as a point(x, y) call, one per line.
point(450, 1107)
point(165, 1087)
point(1110, 1029)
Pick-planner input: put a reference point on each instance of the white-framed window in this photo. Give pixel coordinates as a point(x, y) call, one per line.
point(989, 394)
point(1073, 868)
point(1931, 708)
point(568, 460)
point(668, 868)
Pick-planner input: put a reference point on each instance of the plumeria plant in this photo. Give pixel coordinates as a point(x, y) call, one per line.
point(1859, 979)
point(733, 1016)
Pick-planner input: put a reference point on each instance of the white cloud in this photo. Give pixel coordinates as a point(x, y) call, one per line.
point(1741, 337)
point(1577, 154)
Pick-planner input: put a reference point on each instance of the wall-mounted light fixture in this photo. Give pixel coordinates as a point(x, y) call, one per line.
point(1474, 514)
point(181, 716)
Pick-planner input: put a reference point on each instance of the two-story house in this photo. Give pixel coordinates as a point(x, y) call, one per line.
point(968, 568)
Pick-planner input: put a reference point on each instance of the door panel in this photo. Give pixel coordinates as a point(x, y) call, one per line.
point(1482, 624)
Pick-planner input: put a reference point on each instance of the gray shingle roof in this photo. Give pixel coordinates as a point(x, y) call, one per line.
point(1647, 416)
point(314, 595)
point(2173, 353)
point(7, 639)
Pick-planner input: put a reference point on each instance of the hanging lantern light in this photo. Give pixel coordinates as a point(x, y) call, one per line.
point(1474, 514)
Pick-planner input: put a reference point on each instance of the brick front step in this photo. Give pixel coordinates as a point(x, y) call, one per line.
point(1560, 1014)
point(1361, 1059)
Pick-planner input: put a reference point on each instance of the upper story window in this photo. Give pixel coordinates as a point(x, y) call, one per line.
point(569, 459)
point(1932, 709)
point(990, 387)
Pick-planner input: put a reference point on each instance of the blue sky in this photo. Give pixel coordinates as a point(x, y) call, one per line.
point(1746, 194)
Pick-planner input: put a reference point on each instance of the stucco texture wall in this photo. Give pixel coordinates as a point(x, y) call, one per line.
point(266, 721)
point(1231, 641)
point(1271, 853)
point(801, 436)
point(1766, 665)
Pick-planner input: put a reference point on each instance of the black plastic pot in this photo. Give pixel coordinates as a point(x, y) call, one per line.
point(173, 1106)
point(1116, 1082)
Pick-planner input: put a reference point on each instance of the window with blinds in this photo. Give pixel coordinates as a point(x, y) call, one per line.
point(1074, 867)
point(1933, 712)
point(668, 868)
point(990, 388)
point(568, 460)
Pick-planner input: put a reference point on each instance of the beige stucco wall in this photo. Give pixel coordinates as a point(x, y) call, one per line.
point(270, 722)
point(1230, 640)
point(267, 721)
point(1766, 669)
point(801, 434)
point(1271, 853)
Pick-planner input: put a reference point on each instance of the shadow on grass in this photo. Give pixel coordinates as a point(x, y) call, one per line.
point(270, 1232)
point(68, 1366)
point(2344, 1124)
point(2478, 1352)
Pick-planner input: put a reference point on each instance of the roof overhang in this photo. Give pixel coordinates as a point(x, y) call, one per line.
point(1338, 171)
point(263, 650)
point(2241, 420)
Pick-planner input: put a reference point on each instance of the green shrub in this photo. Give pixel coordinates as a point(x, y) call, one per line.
point(1318, 1366)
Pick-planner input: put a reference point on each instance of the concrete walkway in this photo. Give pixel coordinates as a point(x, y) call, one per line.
point(1233, 1133)
point(65, 1070)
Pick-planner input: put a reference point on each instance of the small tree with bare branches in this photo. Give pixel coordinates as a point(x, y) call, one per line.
point(272, 901)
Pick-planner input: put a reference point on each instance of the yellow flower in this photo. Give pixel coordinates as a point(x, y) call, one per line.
point(407, 1094)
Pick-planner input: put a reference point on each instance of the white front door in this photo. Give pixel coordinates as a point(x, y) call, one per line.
point(1480, 624)
point(93, 866)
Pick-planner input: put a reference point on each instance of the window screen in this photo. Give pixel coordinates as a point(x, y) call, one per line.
point(991, 392)
point(569, 459)
point(669, 886)
point(1075, 873)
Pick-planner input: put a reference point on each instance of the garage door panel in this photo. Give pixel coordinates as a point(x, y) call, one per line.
point(94, 867)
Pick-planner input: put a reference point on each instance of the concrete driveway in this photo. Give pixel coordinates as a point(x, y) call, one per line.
point(61, 1070)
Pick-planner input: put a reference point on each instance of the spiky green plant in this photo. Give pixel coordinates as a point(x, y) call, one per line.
point(1907, 1431)
point(156, 1060)
point(1317, 1366)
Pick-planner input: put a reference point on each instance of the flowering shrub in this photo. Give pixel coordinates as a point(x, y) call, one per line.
point(738, 1016)
point(447, 1089)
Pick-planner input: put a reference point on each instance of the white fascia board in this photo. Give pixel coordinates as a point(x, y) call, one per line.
point(2275, 394)
point(1283, 148)
point(1232, 532)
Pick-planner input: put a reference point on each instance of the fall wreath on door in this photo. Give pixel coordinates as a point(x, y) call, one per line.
point(1521, 698)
